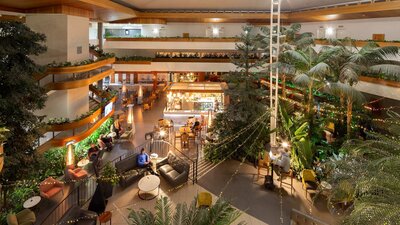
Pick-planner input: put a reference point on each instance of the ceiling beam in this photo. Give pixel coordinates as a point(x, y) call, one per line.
point(342, 12)
point(107, 4)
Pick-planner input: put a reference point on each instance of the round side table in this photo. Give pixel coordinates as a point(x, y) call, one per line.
point(32, 202)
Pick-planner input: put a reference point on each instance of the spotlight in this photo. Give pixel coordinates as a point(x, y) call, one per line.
point(285, 144)
point(162, 133)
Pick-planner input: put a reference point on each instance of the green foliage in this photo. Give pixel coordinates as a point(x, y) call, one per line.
point(3, 134)
point(134, 58)
point(80, 63)
point(220, 213)
point(109, 174)
point(247, 103)
point(368, 177)
point(20, 96)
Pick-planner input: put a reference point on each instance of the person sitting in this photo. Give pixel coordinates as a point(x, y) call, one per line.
point(105, 142)
point(117, 127)
point(283, 164)
point(93, 151)
point(143, 161)
point(196, 126)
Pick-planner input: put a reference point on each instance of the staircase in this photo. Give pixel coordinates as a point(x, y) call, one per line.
point(203, 167)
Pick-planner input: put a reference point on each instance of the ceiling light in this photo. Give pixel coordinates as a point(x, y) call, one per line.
point(329, 31)
point(215, 19)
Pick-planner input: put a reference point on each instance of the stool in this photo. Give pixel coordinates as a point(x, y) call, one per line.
point(105, 217)
point(204, 199)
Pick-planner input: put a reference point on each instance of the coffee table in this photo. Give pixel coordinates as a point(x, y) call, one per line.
point(147, 185)
point(83, 162)
point(32, 202)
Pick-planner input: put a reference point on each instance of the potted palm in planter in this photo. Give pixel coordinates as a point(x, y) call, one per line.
point(108, 179)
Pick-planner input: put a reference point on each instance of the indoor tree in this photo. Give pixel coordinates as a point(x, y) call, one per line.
point(311, 71)
point(349, 62)
point(246, 103)
point(219, 213)
point(289, 40)
point(367, 178)
point(20, 95)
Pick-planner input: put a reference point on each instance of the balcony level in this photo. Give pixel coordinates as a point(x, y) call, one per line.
point(70, 77)
point(176, 43)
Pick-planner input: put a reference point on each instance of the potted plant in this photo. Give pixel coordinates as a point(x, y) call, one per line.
point(108, 179)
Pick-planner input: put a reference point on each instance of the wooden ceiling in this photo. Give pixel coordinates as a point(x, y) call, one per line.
point(109, 11)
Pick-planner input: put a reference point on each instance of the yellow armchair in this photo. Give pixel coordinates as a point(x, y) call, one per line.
point(309, 180)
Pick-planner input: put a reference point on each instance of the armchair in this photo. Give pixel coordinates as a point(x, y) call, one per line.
point(50, 187)
point(25, 217)
point(77, 173)
point(309, 180)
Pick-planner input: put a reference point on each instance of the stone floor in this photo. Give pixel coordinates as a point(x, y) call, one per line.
point(258, 206)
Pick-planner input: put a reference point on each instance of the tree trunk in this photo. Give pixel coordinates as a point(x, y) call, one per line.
point(349, 115)
point(284, 86)
point(341, 108)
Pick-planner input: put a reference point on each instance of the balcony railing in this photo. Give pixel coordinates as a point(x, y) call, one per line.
point(75, 131)
point(175, 39)
point(69, 77)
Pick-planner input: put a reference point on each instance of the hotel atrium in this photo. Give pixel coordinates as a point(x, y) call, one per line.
point(200, 112)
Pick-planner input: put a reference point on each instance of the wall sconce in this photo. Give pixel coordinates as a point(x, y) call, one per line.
point(215, 31)
point(156, 31)
point(126, 32)
point(70, 156)
point(329, 31)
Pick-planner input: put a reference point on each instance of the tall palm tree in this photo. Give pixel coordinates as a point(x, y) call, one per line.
point(311, 71)
point(349, 62)
point(221, 213)
point(290, 40)
point(371, 172)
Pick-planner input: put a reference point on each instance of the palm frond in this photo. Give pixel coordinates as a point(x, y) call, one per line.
point(163, 211)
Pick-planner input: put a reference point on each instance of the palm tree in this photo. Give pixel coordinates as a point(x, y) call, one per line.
point(311, 71)
point(221, 213)
point(350, 62)
point(290, 40)
point(371, 172)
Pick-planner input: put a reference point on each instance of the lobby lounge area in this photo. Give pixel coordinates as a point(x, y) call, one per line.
point(200, 112)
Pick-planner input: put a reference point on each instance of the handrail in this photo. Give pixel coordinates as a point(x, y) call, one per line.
point(62, 85)
point(83, 121)
point(176, 39)
point(80, 69)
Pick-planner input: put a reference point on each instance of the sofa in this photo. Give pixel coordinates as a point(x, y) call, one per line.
point(50, 187)
point(25, 217)
point(174, 170)
point(129, 170)
point(86, 217)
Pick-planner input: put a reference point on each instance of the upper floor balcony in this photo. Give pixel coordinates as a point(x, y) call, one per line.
point(177, 43)
point(67, 76)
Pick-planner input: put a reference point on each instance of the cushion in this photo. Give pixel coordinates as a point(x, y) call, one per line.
point(12, 219)
point(166, 168)
point(171, 159)
point(180, 166)
point(311, 185)
point(53, 191)
point(173, 174)
point(126, 164)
